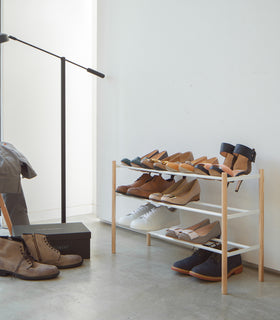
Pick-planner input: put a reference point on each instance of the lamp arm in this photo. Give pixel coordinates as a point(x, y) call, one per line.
point(98, 74)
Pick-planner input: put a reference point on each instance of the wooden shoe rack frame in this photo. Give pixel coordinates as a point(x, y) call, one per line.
point(226, 213)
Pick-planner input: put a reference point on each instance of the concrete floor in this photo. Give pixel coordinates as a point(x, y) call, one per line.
point(136, 283)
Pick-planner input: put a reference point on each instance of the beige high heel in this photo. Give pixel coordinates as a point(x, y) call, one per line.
point(157, 196)
point(189, 192)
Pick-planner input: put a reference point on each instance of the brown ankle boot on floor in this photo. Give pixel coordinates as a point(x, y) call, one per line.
point(42, 251)
point(15, 261)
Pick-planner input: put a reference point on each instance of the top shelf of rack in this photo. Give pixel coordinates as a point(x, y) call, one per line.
point(199, 176)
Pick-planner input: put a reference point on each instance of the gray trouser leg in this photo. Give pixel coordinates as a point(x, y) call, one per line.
point(16, 206)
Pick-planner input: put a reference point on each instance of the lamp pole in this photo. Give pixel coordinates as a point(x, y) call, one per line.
point(5, 38)
point(63, 141)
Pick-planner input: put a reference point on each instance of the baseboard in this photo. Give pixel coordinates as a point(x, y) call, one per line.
point(56, 213)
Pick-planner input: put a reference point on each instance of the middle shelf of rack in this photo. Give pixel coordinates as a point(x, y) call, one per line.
point(199, 207)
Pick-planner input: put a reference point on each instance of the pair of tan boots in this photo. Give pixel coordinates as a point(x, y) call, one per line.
point(33, 258)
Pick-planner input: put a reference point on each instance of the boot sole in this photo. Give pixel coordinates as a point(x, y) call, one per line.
point(235, 270)
point(5, 273)
point(183, 271)
point(70, 266)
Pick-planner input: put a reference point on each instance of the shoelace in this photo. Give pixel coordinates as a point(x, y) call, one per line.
point(25, 257)
point(148, 214)
point(141, 208)
point(50, 246)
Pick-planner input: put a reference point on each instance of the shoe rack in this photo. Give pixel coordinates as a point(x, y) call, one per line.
point(221, 211)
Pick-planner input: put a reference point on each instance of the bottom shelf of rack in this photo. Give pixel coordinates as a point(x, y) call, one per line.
point(160, 234)
point(238, 248)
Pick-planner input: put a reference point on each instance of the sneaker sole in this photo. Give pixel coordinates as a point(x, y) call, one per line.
point(235, 270)
point(180, 270)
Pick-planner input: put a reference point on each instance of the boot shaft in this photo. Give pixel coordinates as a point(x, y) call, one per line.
point(42, 251)
point(39, 248)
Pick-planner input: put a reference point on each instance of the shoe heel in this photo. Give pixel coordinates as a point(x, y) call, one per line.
point(196, 198)
point(238, 185)
point(4, 273)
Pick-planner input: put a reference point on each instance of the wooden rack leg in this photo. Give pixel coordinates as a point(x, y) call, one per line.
point(261, 226)
point(148, 239)
point(224, 233)
point(6, 214)
point(114, 207)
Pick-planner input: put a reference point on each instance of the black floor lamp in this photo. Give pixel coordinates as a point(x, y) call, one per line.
point(4, 38)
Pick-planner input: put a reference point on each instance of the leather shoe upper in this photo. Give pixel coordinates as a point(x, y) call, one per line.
point(157, 184)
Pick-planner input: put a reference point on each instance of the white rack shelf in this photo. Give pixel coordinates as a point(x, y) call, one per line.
point(223, 212)
point(236, 213)
point(193, 175)
point(240, 248)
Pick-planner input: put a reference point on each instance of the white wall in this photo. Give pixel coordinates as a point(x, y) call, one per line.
point(31, 99)
point(187, 75)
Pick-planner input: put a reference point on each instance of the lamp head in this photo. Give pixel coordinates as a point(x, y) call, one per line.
point(4, 37)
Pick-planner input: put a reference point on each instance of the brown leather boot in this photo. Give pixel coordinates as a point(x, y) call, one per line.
point(15, 261)
point(42, 251)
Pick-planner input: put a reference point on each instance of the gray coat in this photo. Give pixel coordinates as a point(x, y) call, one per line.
point(13, 165)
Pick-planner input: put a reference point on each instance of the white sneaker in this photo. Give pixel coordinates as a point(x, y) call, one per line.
point(127, 219)
point(156, 219)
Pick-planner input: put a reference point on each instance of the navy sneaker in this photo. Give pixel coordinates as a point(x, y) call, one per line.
point(186, 265)
point(211, 269)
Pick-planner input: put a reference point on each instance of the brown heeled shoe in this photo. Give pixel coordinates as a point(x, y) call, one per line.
point(190, 192)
